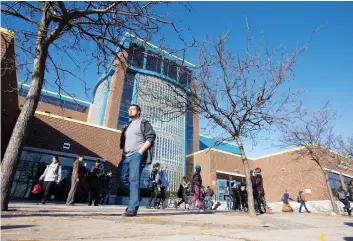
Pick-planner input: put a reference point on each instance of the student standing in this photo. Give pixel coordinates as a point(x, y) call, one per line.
point(51, 176)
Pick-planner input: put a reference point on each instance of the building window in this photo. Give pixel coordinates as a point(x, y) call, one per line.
point(170, 69)
point(184, 76)
point(169, 125)
point(335, 182)
point(154, 62)
point(347, 180)
point(136, 56)
point(126, 99)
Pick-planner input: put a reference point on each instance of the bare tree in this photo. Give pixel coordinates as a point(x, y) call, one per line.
point(314, 133)
point(82, 33)
point(238, 94)
point(345, 146)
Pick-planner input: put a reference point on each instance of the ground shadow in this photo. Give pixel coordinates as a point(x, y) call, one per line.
point(96, 213)
point(5, 227)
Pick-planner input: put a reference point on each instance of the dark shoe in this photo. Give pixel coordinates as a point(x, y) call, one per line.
point(129, 214)
point(96, 204)
point(43, 202)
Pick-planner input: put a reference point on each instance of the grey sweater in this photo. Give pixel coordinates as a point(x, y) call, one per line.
point(50, 174)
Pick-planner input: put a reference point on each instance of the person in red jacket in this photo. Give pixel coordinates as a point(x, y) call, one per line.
point(196, 185)
point(260, 190)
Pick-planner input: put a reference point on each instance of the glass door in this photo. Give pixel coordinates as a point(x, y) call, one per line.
point(221, 188)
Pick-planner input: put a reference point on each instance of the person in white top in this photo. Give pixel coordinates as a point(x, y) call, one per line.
point(51, 175)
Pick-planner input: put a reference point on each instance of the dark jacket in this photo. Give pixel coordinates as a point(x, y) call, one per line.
point(95, 177)
point(149, 135)
point(196, 179)
point(235, 193)
point(253, 184)
point(259, 185)
point(350, 191)
point(153, 176)
point(106, 182)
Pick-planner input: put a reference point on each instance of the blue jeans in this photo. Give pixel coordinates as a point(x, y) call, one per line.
point(229, 204)
point(128, 178)
point(302, 204)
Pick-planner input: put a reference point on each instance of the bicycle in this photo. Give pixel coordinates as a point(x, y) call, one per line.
point(172, 202)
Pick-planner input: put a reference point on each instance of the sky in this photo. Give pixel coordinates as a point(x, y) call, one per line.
point(325, 71)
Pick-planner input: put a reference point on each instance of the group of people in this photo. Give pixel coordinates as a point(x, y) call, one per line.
point(346, 197)
point(137, 142)
point(99, 183)
point(157, 183)
point(236, 197)
point(285, 198)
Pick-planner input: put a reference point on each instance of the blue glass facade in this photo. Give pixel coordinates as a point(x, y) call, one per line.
point(127, 96)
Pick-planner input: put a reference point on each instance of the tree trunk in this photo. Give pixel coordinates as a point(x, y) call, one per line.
point(247, 178)
point(332, 199)
point(19, 133)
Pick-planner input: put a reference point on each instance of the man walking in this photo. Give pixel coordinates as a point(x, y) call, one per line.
point(343, 197)
point(77, 173)
point(136, 141)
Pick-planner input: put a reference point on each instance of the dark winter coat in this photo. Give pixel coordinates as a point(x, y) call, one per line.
point(259, 185)
point(196, 179)
point(95, 177)
point(106, 182)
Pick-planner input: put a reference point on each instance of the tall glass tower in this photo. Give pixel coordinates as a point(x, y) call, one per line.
point(155, 80)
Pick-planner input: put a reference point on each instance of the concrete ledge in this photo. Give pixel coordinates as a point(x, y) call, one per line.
point(321, 206)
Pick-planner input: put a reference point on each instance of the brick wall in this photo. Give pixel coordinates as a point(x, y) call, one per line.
point(295, 171)
point(50, 132)
point(57, 110)
point(286, 171)
point(115, 92)
point(9, 93)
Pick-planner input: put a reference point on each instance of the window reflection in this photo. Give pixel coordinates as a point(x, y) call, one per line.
point(154, 62)
point(126, 99)
point(136, 55)
point(32, 165)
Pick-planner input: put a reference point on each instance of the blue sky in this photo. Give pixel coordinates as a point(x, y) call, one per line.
point(325, 72)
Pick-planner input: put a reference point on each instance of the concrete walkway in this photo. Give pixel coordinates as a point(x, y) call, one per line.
point(28, 221)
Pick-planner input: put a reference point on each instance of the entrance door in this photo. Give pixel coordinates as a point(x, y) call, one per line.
point(221, 188)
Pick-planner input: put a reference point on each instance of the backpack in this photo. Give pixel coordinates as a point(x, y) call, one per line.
point(299, 199)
